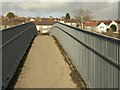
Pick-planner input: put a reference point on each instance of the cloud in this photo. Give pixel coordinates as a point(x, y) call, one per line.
point(110, 11)
point(46, 9)
point(59, 0)
point(35, 7)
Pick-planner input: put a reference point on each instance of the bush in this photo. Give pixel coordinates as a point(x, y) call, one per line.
point(109, 32)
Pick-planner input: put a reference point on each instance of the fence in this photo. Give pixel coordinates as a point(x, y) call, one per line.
point(96, 56)
point(15, 42)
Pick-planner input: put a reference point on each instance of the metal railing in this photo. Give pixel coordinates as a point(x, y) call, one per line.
point(96, 56)
point(15, 42)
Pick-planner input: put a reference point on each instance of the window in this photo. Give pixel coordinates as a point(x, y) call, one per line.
point(101, 27)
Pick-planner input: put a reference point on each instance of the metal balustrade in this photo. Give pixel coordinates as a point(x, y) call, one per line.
point(96, 56)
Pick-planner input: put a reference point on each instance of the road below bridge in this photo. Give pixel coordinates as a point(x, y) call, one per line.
point(45, 67)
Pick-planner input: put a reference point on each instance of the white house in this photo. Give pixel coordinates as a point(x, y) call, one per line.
point(43, 28)
point(114, 25)
point(71, 22)
point(90, 25)
point(62, 21)
point(43, 25)
point(102, 26)
point(32, 20)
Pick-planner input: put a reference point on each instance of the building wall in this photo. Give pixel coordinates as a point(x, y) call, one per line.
point(114, 23)
point(74, 24)
point(41, 27)
point(68, 23)
point(62, 21)
point(88, 27)
point(101, 27)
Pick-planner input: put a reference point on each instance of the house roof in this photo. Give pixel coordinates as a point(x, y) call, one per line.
point(96, 23)
point(17, 20)
point(51, 21)
point(106, 22)
point(44, 21)
point(91, 23)
point(117, 21)
point(70, 21)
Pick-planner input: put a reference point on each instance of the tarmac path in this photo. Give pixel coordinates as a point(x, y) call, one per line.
point(45, 66)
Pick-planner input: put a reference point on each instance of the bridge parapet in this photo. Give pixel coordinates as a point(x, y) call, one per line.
point(15, 42)
point(96, 56)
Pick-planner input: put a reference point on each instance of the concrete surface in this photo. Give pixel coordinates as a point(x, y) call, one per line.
point(45, 67)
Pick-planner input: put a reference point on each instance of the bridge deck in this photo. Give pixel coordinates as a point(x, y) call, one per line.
point(45, 67)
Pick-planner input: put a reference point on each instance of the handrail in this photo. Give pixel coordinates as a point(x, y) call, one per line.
point(15, 37)
point(93, 33)
point(5, 29)
point(92, 49)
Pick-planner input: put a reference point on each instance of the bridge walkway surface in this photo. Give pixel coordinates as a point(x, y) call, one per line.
point(45, 67)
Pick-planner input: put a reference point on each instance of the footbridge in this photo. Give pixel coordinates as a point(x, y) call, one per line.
point(68, 57)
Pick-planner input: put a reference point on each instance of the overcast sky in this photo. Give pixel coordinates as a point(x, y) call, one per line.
point(107, 9)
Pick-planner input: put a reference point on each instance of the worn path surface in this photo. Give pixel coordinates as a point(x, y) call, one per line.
point(45, 67)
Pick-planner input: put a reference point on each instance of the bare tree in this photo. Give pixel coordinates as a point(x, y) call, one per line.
point(82, 15)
